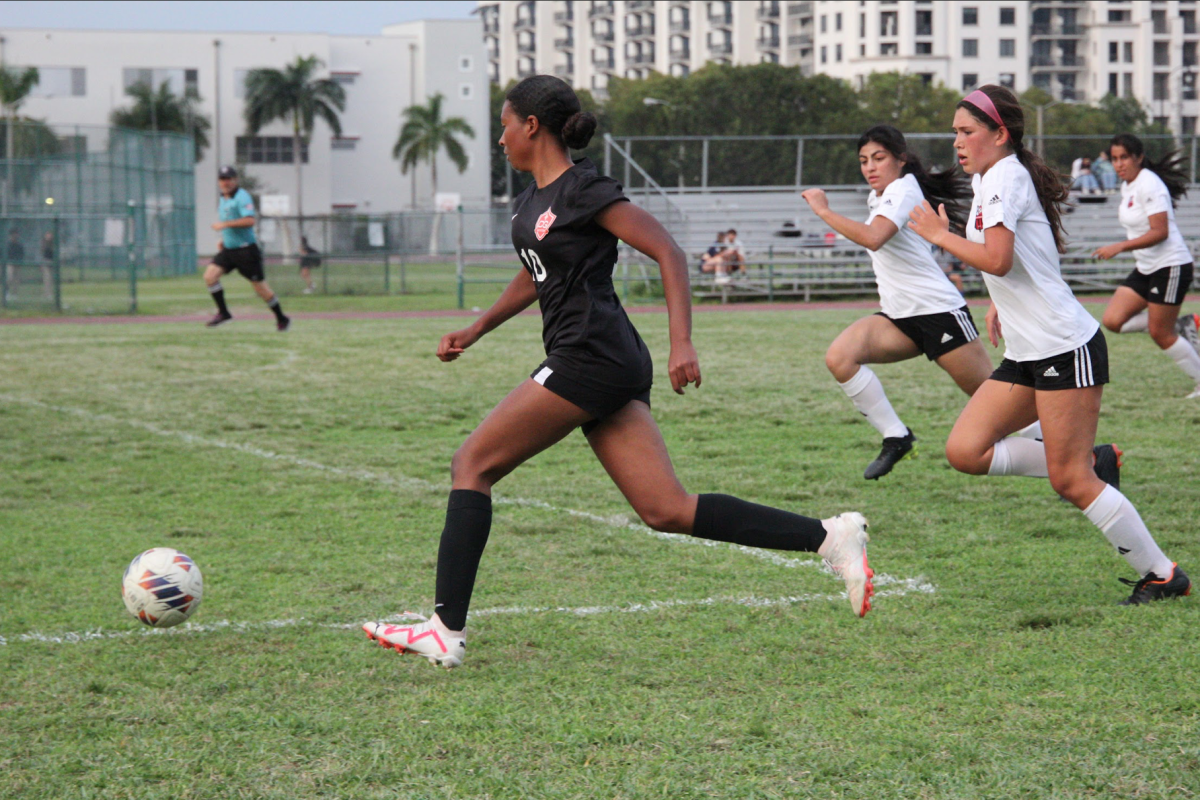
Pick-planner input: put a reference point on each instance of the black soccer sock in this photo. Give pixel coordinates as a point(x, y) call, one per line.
point(218, 295)
point(727, 519)
point(273, 304)
point(468, 522)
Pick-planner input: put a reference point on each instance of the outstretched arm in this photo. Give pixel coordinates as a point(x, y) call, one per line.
point(643, 232)
point(872, 237)
point(1159, 231)
point(516, 297)
point(994, 256)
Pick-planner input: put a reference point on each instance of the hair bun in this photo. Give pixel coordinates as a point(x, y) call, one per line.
point(577, 131)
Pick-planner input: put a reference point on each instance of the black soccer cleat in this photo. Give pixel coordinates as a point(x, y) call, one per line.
point(895, 448)
point(1152, 587)
point(283, 324)
point(218, 319)
point(1108, 464)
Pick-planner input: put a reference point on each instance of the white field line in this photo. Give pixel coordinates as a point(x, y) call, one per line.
point(900, 588)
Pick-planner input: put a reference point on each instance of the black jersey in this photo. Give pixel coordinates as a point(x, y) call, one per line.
point(585, 330)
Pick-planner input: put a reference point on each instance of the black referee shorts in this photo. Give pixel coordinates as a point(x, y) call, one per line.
point(247, 260)
point(600, 403)
point(1076, 369)
point(1166, 286)
point(937, 334)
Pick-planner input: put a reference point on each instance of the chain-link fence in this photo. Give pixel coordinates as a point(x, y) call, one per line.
point(88, 211)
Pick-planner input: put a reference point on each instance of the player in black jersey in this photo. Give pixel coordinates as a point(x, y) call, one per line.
point(596, 376)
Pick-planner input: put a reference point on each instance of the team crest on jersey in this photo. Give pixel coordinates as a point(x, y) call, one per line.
point(1130, 202)
point(979, 219)
point(543, 224)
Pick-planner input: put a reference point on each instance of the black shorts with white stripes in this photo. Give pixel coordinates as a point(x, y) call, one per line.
point(1075, 369)
point(1166, 286)
point(937, 334)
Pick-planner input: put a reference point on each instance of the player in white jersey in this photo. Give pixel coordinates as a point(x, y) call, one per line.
point(922, 311)
point(1055, 360)
point(1151, 296)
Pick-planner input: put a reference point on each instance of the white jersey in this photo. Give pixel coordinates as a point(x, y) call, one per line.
point(910, 281)
point(1039, 315)
point(1148, 195)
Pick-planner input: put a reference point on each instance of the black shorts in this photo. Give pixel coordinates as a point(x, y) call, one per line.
point(1166, 286)
point(937, 334)
point(247, 260)
point(1076, 369)
point(310, 262)
point(600, 403)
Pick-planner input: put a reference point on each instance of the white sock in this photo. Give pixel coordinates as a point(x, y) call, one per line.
point(1124, 529)
point(866, 392)
point(1139, 322)
point(1017, 456)
point(1183, 354)
point(216, 287)
point(1033, 431)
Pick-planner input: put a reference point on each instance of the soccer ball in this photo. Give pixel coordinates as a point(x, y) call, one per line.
point(162, 587)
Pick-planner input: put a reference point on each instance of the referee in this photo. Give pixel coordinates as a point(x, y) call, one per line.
point(239, 250)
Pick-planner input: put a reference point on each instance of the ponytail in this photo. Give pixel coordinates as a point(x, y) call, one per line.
point(1051, 187)
point(1169, 168)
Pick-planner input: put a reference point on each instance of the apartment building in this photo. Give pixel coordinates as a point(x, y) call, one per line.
point(85, 74)
point(1078, 51)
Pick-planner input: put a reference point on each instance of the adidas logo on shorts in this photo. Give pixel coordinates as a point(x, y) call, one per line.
point(1154, 290)
point(946, 338)
point(1050, 373)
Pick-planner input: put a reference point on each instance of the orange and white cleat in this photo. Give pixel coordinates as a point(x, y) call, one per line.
point(420, 638)
point(845, 552)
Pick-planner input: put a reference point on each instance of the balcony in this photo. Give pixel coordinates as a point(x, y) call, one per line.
point(767, 12)
point(564, 71)
point(680, 26)
point(640, 30)
point(564, 17)
point(720, 48)
point(527, 48)
point(639, 5)
point(646, 57)
point(1056, 30)
point(601, 11)
point(525, 24)
point(681, 54)
point(602, 36)
point(491, 24)
point(768, 42)
point(800, 40)
point(603, 62)
point(1046, 63)
point(721, 20)
point(799, 9)
point(566, 43)
point(526, 71)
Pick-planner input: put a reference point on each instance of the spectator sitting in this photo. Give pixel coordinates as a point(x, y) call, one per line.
point(1086, 181)
point(712, 256)
point(735, 254)
point(1105, 174)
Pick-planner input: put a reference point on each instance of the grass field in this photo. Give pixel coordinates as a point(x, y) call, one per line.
point(306, 474)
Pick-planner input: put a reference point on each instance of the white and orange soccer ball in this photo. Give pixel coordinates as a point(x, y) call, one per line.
point(162, 587)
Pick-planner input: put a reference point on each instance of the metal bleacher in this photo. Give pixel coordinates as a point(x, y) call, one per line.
point(791, 254)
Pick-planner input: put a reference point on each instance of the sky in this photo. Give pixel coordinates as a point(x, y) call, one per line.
point(298, 16)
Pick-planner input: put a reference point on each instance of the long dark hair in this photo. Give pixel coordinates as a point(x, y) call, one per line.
point(557, 108)
point(1169, 168)
point(948, 187)
point(1050, 186)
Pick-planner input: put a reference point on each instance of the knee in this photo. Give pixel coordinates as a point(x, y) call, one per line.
point(1165, 338)
point(840, 363)
point(1077, 485)
point(668, 517)
point(468, 466)
point(965, 456)
point(1111, 322)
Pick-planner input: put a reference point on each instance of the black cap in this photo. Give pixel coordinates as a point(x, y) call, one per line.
point(227, 172)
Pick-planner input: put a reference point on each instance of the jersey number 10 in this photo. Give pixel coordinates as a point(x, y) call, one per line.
point(533, 264)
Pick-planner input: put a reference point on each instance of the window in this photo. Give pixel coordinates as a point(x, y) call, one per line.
point(466, 64)
point(1189, 21)
point(339, 143)
point(889, 49)
point(1159, 17)
point(970, 48)
point(1008, 48)
point(269, 150)
point(1008, 16)
point(1161, 89)
point(1008, 80)
point(862, 26)
point(1127, 85)
point(887, 23)
point(1187, 86)
point(60, 82)
point(971, 16)
point(1127, 53)
point(924, 48)
point(181, 82)
point(1187, 125)
point(862, 51)
point(1114, 53)
point(824, 56)
point(926, 78)
point(824, 24)
point(466, 91)
point(1118, 16)
point(1162, 54)
point(924, 21)
point(970, 81)
point(837, 53)
point(837, 21)
point(1189, 54)
point(1113, 79)
point(343, 78)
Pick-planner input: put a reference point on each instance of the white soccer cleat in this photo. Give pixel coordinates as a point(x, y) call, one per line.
point(421, 638)
point(1195, 394)
point(845, 552)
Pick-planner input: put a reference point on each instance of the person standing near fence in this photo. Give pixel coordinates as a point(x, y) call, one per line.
point(238, 250)
point(1150, 298)
point(14, 255)
point(596, 376)
point(1056, 360)
point(922, 310)
point(310, 259)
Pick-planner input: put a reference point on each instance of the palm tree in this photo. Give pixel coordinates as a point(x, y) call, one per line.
point(292, 93)
point(163, 110)
point(15, 86)
point(423, 135)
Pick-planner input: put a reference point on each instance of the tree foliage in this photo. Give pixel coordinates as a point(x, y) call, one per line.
point(425, 133)
point(163, 110)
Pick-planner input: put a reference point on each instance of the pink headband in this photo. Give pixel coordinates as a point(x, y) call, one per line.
point(984, 103)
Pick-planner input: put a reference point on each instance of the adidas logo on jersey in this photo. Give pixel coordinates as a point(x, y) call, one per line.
point(543, 224)
point(947, 338)
point(995, 199)
point(887, 202)
point(1050, 373)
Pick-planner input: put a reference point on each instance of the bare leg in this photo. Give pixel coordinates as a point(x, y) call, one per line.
point(1125, 303)
point(968, 365)
point(1069, 418)
point(870, 340)
point(993, 412)
point(1162, 324)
